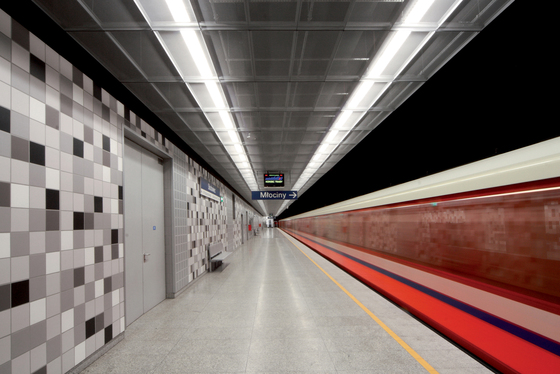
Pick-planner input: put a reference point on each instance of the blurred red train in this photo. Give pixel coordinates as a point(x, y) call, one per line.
point(473, 251)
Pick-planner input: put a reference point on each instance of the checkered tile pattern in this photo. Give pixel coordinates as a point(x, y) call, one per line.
point(61, 208)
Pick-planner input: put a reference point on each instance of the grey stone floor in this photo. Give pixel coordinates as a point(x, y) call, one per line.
point(271, 310)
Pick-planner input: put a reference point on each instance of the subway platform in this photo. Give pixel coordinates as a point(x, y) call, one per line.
point(276, 306)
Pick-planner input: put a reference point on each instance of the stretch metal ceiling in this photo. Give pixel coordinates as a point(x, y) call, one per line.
point(290, 85)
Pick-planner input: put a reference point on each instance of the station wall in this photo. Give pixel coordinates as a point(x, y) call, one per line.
point(61, 209)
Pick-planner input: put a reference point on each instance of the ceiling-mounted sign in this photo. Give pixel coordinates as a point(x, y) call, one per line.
point(274, 195)
point(209, 190)
point(273, 179)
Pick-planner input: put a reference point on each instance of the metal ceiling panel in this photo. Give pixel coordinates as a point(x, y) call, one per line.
point(299, 79)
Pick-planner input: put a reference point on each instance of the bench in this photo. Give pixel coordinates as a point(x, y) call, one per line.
point(216, 254)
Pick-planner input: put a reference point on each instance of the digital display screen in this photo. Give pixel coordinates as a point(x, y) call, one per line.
point(274, 179)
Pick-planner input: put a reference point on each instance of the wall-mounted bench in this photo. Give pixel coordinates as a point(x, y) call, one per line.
point(216, 254)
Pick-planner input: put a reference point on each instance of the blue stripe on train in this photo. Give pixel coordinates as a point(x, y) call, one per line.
point(522, 333)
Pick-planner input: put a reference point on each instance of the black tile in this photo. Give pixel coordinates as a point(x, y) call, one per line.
point(4, 119)
point(37, 153)
point(96, 91)
point(78, 220)
point(77, 77)
point(20, 34)
point(4, 297)
point(114, 236)
point(37, 68)
point(79, 277)
point(108, 333)
point(106, 143)
point(120, 192)
point(5, 194)
point(52, 199)
point(114, 251)
point(127, 114)
point(78, 148)
point(53, 220)
point(108, 284)
point(90, 327)
point(98, 254)
point(98, 204)
point(20, 293)
point(143, 134)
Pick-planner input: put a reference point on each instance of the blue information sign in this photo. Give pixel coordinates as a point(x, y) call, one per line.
point(274, 195)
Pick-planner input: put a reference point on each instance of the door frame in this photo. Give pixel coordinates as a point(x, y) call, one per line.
point(130, 135)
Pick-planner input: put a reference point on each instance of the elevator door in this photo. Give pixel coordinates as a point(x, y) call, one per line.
point(144, 231)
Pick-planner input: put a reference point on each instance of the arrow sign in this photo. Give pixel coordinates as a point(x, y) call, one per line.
point(274, 195)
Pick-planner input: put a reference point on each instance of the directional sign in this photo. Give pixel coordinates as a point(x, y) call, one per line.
point(274, 195)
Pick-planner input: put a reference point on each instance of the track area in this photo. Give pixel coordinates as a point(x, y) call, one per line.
point(461, 314)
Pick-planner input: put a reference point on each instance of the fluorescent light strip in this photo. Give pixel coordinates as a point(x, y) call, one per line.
point(178, 11)
point(417, 10)
point(199, 56)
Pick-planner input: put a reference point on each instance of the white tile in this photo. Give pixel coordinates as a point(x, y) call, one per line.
point(5, 169)
point(79, 353)
point(20, 172)
point(37, 47)
point(20, 102)
point(88, 151)
point(79, 202)
point(52, 58)
point(66, 68)
point(66, 124)
point(37, 131)
point(36, 197)
point(5, 97)
point(37, 311)
point(5, 71)
point(66, 162)
point(52, 179)
point(19, 196)
point(52, 157)
point(67, 320)
point(52, 138)
point(5, 245)
point(78, 130)
point(37, 110)
point(53, 96)
point(20, 268)
point(37, 241)
point(20, 56)
point(78, 94)
point(99, 288)
point(66, 240)
point(53, 262)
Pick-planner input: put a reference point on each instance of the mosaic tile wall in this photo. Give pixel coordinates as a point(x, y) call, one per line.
point(61, 209)
point(61, 256)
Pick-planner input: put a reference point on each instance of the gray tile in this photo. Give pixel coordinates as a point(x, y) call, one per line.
point(37, 286)
point(20, 147)
point(19, 125)
point(38, 334)
point(21, 342)
point(37, 220)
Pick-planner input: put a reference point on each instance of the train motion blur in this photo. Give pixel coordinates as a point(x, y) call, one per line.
point(473, 251)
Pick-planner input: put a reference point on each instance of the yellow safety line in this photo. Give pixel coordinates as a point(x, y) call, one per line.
point(411, 351)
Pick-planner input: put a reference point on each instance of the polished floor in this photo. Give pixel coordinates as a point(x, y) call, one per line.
point(271, 309)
